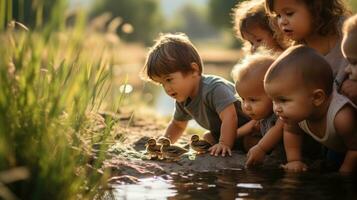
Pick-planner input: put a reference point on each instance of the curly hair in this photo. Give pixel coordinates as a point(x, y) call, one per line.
point(252, 13)
point(327, 14)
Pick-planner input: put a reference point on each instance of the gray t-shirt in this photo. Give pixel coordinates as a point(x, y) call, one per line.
point(214, 95)
point(267, 123)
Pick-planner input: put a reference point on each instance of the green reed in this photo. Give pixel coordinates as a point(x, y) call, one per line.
point(51, 83)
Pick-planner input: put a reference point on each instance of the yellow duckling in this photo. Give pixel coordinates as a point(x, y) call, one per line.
point(153, 149)
point(171, 152)
point(200, 146)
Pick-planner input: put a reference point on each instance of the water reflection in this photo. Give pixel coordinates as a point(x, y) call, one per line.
point(149, 188)
point(241, 184)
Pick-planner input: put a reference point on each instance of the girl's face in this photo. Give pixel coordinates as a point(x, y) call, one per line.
point(258, 36)
point(294, 19)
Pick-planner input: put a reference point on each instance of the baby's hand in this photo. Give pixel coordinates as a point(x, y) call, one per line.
point(218, 148)
point(255, 156)
point(348, 89)
point(295, 166)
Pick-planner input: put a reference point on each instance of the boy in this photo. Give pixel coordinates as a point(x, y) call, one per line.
point(349, 51)
point(249, 79)
point(175, 63)
point(300, 83)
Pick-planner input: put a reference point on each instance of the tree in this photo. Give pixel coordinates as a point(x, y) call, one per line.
point(143, 15)
point(33, 13)
point(193, 21)
point(220, 12)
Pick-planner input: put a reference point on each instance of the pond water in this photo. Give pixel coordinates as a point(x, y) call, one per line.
point(235, 183)
point(241, 184)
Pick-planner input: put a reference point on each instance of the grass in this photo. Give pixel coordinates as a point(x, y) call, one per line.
point(52, 83)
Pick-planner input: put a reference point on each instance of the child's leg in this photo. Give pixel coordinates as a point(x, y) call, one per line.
point(249, 141)
point(209, 138)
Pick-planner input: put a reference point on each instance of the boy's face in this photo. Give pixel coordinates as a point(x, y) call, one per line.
point(349, 50)
point(292, 103)
point(258, 36)
point(255, 103)
point(178, 85)
point(294, 18)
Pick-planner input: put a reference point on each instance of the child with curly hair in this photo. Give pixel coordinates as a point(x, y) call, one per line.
point(251, 24)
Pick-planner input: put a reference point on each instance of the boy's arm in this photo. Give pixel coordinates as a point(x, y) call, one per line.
point(228, 131)
point(346, 126)
point(271, 138)
point(292, 143)
point(175, 129)
point(247, 128)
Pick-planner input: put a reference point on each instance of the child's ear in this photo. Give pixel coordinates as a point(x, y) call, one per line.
point(319, 97)
point(195, 68)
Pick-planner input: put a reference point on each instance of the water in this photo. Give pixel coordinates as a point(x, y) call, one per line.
point(241, 184)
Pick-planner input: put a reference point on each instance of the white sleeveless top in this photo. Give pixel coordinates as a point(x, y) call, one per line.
point(331, 139)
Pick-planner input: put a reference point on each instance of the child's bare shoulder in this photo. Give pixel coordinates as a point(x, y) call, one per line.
point(346, 120)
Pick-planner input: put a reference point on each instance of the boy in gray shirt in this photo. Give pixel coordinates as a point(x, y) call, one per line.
point(210, 100)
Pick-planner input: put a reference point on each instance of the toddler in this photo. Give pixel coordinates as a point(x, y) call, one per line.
point(249, 79)
point(174, 63)
point(315, 23)
point(251, 24)
point(300, 84)
point(349, 50)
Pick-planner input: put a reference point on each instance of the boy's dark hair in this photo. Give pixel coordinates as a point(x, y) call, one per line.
point(171, 53)
point(305, 62)
point(327, 14)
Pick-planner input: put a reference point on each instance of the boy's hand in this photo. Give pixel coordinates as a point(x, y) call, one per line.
point(218, 148)
point(295, 166)
point(255, 156)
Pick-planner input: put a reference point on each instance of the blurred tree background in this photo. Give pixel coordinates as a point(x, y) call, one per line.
point(143, 15)
point(202, 20)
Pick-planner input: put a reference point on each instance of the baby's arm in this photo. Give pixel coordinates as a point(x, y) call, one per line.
point(292, 143)
point(175, 129)
point(257, 153)
point(349, 89)
point(247, 128)
point(228, 131)
point(345, 124)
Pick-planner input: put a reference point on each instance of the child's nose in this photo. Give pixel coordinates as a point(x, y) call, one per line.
point(246, 106)
point(167, 89)
point(277, 109)
point(283, 21)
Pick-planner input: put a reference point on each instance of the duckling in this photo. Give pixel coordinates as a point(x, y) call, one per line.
point(153, 149)
point(171, 152)
point(200, 146)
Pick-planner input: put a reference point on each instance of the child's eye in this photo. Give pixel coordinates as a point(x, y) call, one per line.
point(252, 100)
point(168, 80)
point(289, 14)
point(259, 40)
point(278, 16)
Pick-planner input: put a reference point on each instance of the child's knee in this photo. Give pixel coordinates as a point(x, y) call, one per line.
point(209, 138)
